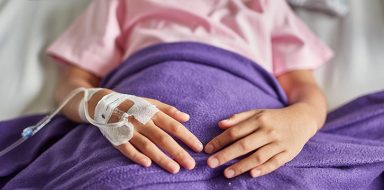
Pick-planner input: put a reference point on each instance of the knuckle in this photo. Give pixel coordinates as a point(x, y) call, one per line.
point(214, 144)
point(147, 147)
point(217, 144)
point(273, 134)
point(174, 127)
point(262, 119)
point(232, 133)
point(180, 155)
point(162, 160)
point(237, 169)
point(163, 139)
point(257, 159)
point(255, 118)
point(222, 158)
point(244, 146)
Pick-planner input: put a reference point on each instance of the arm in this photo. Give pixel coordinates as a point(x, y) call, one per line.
point(304, 93)
point(148, 141)
point(272, 136)
point(74, 77)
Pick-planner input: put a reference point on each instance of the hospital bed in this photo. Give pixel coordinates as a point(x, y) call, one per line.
point(28, 77)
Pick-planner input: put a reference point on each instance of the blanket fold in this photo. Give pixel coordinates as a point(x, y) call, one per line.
point(210, 84)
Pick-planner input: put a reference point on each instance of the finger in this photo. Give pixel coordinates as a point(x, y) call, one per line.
point(168, 144)
point(154, 153)
point(239, 148)
point(259, 157)
point(232, 134)
point(271, 165)
point(170, 110)
point(236, 118)
point(175, 128)
point(133, 154)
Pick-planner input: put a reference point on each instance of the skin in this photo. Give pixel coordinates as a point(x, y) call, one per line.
point(148, 141)
point(271, 137)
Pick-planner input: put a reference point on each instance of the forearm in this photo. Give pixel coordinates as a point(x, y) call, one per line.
point(71, 109)
point(72, 79)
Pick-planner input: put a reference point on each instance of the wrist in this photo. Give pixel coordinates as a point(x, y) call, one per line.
point(313, 115)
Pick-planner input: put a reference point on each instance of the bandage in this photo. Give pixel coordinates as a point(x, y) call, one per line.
point(122, 131)
point(81, 111)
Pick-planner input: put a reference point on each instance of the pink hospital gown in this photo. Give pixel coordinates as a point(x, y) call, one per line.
point(265, 31)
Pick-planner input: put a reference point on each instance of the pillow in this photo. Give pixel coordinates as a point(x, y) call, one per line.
point(335, 7)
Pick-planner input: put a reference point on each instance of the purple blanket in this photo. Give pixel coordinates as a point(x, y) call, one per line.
point(210, 84)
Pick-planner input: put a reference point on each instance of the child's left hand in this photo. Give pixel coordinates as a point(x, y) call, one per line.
point(274, 136)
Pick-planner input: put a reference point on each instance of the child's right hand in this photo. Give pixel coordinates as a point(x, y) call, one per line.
point(148, 141)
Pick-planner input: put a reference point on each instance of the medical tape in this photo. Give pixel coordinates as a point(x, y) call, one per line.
point(141, 110)
point(106, 106)
point(81, 107)
point(81, 111)
point(120, 132)
point(99, 113)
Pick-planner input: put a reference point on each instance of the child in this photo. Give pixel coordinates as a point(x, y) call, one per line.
point(265, 31)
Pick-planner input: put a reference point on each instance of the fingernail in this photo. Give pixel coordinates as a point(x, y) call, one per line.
point(225, 122)
point(255, 173)
point(209, 148)
point(184, 115)
point(189, 164)
point(174, 167)
point(213, 163)
point(146, 162)
point(199, 146)
point(229, 173)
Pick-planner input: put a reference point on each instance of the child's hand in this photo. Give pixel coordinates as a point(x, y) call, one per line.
point(148, 141)
point(273, 136)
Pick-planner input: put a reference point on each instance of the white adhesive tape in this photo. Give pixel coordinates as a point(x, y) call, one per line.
point(122, 131)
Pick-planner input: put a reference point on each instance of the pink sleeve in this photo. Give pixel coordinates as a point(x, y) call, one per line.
point(294, 46)
point(93, 41)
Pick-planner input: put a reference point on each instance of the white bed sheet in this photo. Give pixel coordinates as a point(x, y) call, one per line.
point(28, 78)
